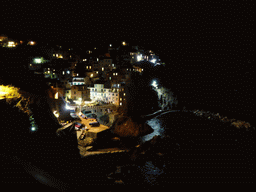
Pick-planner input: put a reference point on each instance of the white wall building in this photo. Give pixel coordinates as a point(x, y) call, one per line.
point(109, 95)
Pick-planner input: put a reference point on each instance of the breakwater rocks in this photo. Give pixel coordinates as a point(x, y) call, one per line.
point(125, 126)
point(233, 122)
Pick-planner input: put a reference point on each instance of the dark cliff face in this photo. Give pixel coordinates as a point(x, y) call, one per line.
point(41, 147)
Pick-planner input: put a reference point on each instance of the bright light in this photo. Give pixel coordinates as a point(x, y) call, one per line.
point(32, 43)
point(56, 114)
point(91, 75)
point(154, 84)
point(37, 60)
point(139, 57)
point(110, 45)
point(124, 43)
point(56, 95)
point(11, 44)
point(67, 107)
point(33, 128)
point(153, 61)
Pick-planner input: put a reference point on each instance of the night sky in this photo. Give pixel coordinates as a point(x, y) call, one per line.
point(206, 45)
point(192, 31)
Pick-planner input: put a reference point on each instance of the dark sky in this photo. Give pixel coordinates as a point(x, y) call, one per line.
point(179, 30)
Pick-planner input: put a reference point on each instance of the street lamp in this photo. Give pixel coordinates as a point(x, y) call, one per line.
point(37, 60)
point(154, 84)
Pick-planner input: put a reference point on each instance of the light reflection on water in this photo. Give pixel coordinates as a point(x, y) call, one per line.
point(151, 172)
point(158, 130)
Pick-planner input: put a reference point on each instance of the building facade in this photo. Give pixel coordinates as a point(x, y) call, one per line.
point(114, 95)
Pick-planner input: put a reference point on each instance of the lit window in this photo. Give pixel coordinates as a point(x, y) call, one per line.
point(68, 72)
point(91, 75)
point(90, 67)
point(77, 74)
point(120, 103)
point(113, 65)
point(11, 44)
point(114, 74)
point(56, 55)
point(63, 72)
point(102, 68)
point(120, 99)
point(110, 45)
point(86, 67)
point(97, 72)
point(124, 94)
point(141, 69)
point(109, 78)
point(30, 64)
point(53, 55)
point(48, 71)
point(70, 56)
point(97, 59)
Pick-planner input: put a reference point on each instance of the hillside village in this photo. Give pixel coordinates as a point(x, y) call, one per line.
point(86, 76)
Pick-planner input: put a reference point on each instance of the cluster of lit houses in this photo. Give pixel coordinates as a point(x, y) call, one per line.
point(90, 76)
